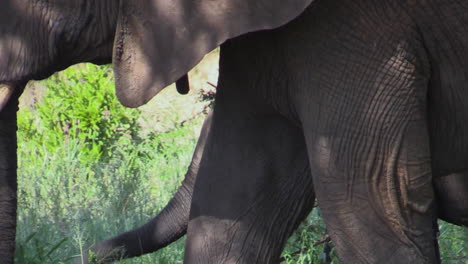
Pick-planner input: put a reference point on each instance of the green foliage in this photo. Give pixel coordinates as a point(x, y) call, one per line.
point(307, 244)
point(80, 106)
point(453, 243)
point(62, 198)
point(43, 252)
point(85, 174)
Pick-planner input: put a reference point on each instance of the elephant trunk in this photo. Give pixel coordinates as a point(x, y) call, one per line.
point(8, 166)
point(168, 226)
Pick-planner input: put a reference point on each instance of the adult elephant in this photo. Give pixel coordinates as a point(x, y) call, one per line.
point(367, 132)
point(375, 87)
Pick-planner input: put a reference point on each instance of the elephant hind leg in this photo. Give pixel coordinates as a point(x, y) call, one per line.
point(452, 197)
point(385, 216)
point(375, 192)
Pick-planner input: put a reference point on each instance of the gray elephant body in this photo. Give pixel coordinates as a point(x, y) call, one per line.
point(359, 91)
point(373, 87)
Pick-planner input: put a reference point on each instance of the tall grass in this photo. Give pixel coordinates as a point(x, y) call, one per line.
point(88, 170)
point(86, 173)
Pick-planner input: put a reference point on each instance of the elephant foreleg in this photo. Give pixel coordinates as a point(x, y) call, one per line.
point(8, 182)
point(168, 226)
point(252, 190)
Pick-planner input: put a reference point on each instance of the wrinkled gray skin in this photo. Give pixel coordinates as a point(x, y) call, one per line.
point(375, 87)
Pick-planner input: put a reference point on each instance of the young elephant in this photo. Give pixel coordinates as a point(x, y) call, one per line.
point(269, 196)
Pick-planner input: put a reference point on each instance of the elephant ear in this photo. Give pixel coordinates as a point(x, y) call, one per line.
point(158, 41)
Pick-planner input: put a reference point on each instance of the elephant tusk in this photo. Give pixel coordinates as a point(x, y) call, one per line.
point(6, 91)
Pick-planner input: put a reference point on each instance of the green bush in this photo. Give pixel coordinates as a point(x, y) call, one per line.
point(80, 103)
point(85, 174)
point(307, 244)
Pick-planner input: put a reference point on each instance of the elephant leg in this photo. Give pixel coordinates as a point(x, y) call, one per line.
point(8, 182)
point(372, 170)
point(364, 117)
point(377, 204)
point(452, 197)
point(253, 189)
point(166, 227)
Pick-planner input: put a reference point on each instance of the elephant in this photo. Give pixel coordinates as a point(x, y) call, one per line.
point(374, 95)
